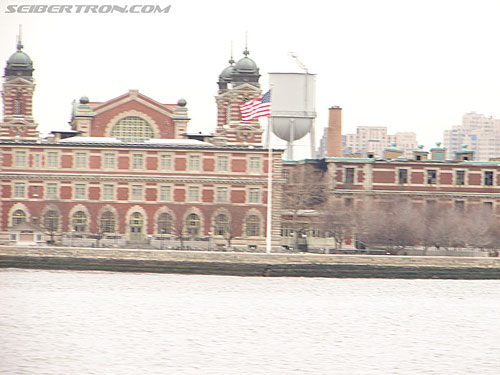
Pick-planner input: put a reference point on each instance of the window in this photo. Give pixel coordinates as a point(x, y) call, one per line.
point(137, 161)
point(19, 190)
point(80, 191)
point(165, 193)
point(431, 176)
point(222, 163)
point(221, 225)
point(137, 192)
point(165, 223)
point(52, 159)
point(108, 192)
point(349, 176)
point(18, 217)
point(222, 195)
point(132, 129)
point(193, 194)
point(488, 178)
point(51, 221)
point(136, 223)
point(18, 104)
point(79, 221)
point(51, 190)
point(36, 192)
point(20, 159)
point(81, 160)
point(193, 225)
point(254, 164)
point(37, 161)
point(402, 176)
point(107, 222)
point(254, 195)
point(109, 160)
point(460, 177)
point(194, 163)
point(253, 226)
point(166, 162)
point(459, 206)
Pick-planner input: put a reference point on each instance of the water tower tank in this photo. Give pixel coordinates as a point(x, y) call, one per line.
point(293, 104)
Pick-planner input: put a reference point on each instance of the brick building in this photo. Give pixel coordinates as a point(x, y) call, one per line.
point(127, 173)
point(425, 181)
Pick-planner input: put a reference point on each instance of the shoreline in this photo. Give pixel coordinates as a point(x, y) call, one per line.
point(250, 264)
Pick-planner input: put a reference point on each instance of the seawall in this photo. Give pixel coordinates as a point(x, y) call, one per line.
point(250, 264)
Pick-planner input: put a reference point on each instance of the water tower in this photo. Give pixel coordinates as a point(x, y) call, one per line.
point(293, 107)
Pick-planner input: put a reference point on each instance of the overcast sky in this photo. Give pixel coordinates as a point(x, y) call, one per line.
point(408, 65)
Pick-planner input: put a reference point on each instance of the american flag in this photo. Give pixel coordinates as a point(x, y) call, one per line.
point(258, 107)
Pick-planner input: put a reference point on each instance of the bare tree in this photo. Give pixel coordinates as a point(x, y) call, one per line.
point(336, 223)
point(305, 191)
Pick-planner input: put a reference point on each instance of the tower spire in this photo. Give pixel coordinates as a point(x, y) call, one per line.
point(19, 39)
point(246, 52)
point(231, 60)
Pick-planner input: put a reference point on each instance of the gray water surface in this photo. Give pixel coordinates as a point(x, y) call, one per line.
point(67, 322)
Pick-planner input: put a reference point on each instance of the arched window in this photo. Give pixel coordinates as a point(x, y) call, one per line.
point(79, 221)
point(253, 226)
point(193, 225)
point(18, 217)
point(221, 225)
point(132, 129)
point(51, 221)
point(18, 104)
point(108, 222)
point(165, 223)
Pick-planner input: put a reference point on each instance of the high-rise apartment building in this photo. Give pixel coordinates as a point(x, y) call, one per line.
point(480, 133)
point(374, 139)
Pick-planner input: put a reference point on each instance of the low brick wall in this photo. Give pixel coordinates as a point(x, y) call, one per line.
point(250, 264)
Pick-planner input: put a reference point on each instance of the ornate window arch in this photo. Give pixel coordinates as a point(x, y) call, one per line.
point(221, 224)
point(50, 220)
point(18, 217)
point(79, 222)
point(107, 222)
point(12, 211)
point(132, 129)
point(127, 126)
point(252, 225)
point(193, 225)
point(165, 223)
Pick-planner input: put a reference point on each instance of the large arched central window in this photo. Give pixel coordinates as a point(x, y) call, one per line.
point(132, 129)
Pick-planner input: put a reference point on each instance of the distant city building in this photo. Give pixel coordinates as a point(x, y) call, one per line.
point(480, 133)
point(374, 139)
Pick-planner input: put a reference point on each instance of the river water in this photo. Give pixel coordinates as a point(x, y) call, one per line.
point(67, 322)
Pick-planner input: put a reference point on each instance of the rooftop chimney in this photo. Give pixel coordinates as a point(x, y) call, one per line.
point(334, 140)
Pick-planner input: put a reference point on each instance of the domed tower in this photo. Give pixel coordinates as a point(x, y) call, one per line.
point(238, 84)
point(225, 78)
point(17, 94)
point(246, 71)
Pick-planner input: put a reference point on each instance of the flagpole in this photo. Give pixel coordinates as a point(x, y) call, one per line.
point(269, 219)
point(269, 186)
